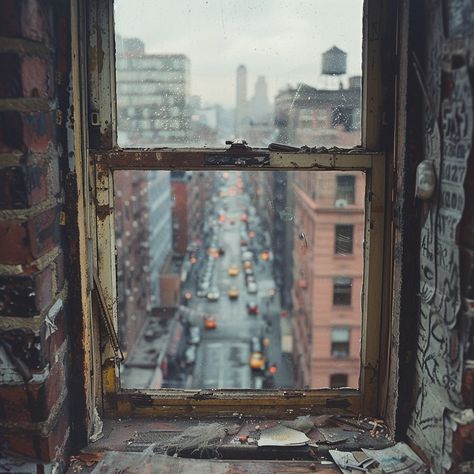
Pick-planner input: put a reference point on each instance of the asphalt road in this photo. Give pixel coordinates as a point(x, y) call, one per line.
point(223, 354)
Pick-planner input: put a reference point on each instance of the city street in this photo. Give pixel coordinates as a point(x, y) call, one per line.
point(223, 354)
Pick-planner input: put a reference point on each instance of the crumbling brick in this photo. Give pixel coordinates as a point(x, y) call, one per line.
point(26, 295)
point(23, 242)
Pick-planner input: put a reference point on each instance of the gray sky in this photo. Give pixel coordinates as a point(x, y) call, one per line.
point(280, 39)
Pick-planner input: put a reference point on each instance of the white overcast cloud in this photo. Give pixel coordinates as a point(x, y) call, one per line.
point(280, 39)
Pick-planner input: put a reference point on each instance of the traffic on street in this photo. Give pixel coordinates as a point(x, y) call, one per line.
point(233, 328)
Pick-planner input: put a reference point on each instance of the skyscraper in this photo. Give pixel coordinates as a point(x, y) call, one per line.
point(241, 98)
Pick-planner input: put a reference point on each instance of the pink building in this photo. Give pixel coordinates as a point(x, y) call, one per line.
point(327, 272)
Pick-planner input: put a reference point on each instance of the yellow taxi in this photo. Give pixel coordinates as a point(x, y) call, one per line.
point(233, 270)
point(257, 361)
point(233, 293)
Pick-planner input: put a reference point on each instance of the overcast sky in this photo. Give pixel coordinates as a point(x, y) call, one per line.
point(280, 39)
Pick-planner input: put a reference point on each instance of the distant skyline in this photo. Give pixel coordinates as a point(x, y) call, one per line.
point(281, 40)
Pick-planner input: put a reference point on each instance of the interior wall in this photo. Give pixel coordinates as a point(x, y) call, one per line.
point(437, 410)
point(38, 240)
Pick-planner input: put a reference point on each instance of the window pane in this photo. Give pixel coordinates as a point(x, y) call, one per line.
point(344, 234)
point(338, 380)
point(267, 71)
point(342, 291)
point(228, 279)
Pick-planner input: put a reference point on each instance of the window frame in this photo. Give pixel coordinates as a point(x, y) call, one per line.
point(94, 78)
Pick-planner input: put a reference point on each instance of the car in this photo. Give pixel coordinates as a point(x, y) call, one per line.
point(248, 272)
point(203, 289)
point(250, 278)
point(247, 255)
point(213, 294)
point(252, 287)
point(194, 335)
point(265, 255)
point(190, 355)
point(252, 308)
point(257, 361)
point(255, 344)
point(209, 322)
point(233, 293)
point(233, 270)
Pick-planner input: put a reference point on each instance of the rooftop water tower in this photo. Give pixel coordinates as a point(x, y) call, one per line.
point(334, 64)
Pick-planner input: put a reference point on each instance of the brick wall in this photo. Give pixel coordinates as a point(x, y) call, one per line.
point(34, 302)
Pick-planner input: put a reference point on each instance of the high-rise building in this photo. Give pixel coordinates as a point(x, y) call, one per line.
point(160, 228)
point(259, 106)
point(133, 254)
point(241, 98)
point(152, 96)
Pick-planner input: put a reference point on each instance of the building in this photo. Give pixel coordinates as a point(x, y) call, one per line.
point(152, 96)
point(132, 240)
point(308, 116)
point(327, 278)
point(160, 229)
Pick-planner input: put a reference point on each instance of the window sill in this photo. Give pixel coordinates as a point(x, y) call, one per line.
point(125, 440)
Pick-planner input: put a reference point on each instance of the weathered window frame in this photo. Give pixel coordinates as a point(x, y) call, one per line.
point(93, 58)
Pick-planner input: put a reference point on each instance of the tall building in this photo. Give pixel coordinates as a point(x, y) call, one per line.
point(133, 254)
point(241, 98)
point(327, 273)
point(160, 229)
point(259, 106)
point(152, 96)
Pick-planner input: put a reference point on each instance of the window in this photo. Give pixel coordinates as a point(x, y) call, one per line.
point(345, 190)
point(344, 233)
point(340, 338)
point(342, 291)
point(187, 141)
point(338, 380)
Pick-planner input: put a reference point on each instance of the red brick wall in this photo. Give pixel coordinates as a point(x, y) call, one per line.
point(34, 302)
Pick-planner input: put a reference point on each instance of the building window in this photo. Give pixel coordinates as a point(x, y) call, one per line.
point(345, 189)
point(340, 342)
point(338, 380)
point(342, 291)
point(344, 236)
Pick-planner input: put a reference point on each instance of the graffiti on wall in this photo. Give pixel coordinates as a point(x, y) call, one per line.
point(448, 138)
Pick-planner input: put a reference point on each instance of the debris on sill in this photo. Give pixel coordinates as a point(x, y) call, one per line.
point(280, 435)
point(303, 439)
point(394, 459)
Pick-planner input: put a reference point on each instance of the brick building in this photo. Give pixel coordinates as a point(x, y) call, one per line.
point(132, 241)
point(327, 275)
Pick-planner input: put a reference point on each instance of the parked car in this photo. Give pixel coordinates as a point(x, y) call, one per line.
point(210, 322)
point(194, 335)
point(213, 294)
point(190, 355)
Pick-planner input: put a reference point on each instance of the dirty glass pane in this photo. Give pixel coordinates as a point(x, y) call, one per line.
point(232, 279)
point(198, 73)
